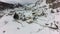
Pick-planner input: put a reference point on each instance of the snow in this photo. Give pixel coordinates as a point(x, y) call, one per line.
point(19, 1)
point(12, 26)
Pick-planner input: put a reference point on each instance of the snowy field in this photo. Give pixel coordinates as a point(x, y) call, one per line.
point(34, 18)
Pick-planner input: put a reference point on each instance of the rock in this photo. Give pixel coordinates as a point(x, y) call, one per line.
point(16, 16)
point(50, 1)
point(4, 5)
point(18, 5)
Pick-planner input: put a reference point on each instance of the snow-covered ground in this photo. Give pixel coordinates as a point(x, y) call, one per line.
point(44, 21)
